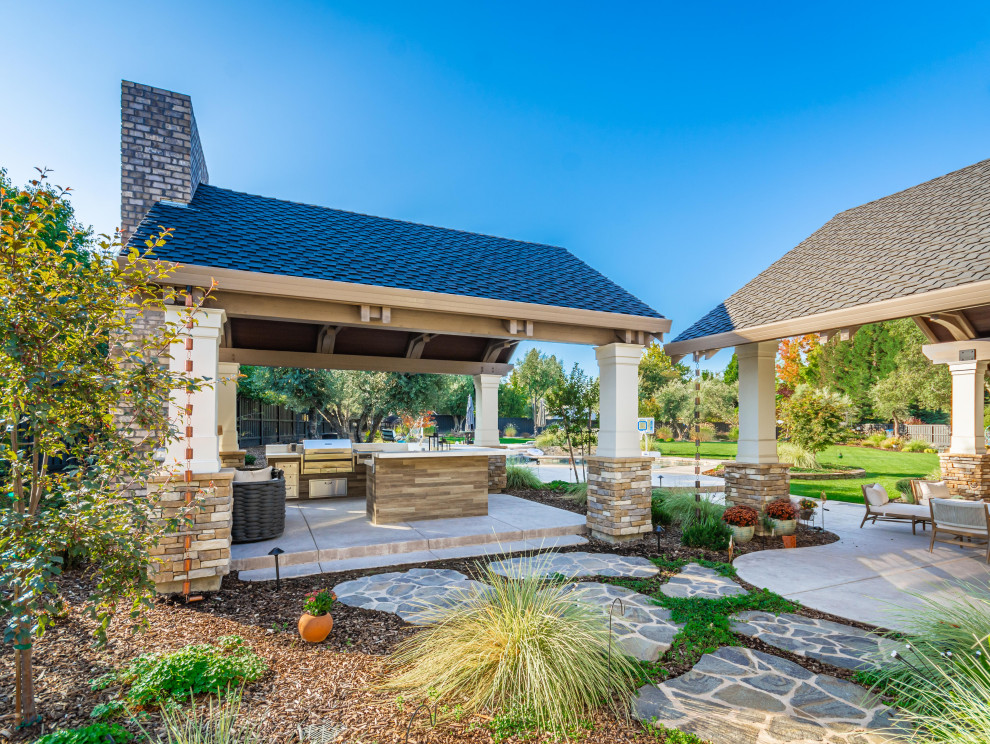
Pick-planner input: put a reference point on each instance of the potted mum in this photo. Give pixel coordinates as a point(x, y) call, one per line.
point(316, 623)
point(784, 516)
point(743, 520)
point(807, 509)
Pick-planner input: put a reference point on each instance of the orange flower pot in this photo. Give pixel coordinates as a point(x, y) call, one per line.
point(790, 541)
point(315, 628)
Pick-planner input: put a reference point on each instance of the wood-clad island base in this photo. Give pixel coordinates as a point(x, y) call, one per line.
point(408, 489)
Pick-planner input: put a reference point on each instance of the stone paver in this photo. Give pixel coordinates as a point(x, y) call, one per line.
point(741, 696)
point(839, 645)
point(409, 594)
point(695, 580)
point(576, 565)
point(639, 627)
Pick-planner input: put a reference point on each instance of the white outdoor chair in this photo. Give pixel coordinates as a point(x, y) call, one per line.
point(967, 522)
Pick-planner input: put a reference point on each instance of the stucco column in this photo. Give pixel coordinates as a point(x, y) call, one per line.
point(618, 370)
point(227, 406)
point(757, 403)
point(204, 355)
point(486, 409)
point(967, 408)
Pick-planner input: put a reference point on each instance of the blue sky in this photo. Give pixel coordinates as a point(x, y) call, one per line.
point(679, 148)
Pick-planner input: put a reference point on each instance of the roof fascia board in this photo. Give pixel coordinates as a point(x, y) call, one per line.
point(309, 360)
point(926, 303)
point(365, 294)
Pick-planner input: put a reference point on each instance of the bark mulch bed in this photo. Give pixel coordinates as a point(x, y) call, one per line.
point(337, 681)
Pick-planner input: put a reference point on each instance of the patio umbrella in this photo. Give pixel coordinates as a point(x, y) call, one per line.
point(541, 414)
point(469, 419)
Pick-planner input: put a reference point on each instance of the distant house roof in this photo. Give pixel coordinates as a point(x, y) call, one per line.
point(228, 229)
point(929, 237)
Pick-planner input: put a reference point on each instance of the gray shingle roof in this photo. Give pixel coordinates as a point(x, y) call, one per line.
point(227, 229)
point(932, 236)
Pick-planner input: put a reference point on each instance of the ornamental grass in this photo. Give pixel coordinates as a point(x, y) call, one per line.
point(523, 647)
point(521, 478)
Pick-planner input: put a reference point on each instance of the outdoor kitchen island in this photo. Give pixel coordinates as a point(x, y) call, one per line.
point(410, 486)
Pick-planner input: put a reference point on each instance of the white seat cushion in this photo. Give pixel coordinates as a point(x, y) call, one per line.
point(903, 510)
point(933, 490)
point(253, 476)
point(877, 495)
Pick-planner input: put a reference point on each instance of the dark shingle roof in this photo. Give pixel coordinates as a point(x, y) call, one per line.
point(227, 229)
point(932, 236)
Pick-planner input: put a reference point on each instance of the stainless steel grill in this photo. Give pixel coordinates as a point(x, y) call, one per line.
point(327, 456)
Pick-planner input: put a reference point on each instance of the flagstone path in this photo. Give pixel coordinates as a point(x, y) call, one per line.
point(741, 696)
point(576, 565)
point(408, 594)
point(840, 645)
point(641, 628)
point(695, 580)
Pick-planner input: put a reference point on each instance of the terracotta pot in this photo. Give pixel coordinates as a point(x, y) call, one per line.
point(790, 541)
point(785, 527)
point(742, 535)
point(315, 628)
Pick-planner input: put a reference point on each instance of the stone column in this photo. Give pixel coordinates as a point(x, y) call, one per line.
point(966, 464)
point(486, 410)
point(756, 477)
point(231, 455)
point(204, 358)
point(619, 477)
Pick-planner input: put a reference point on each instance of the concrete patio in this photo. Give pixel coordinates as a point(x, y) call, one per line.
point(323, 536)
point(869, 573)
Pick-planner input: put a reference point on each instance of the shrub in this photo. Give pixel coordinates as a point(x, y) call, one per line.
point(552, 436)
point(815, 417)
point(891, 443)
point(161, 677)
point(521, 478)
point(510, 430)
point(659, 513)
point(664, 433)
point(681, 508)
point(916, 445)
point(526, 647)
point(557, 485)
point(734, 433)
point(797, 455)
point(875, 439)
point(250, 459)
point(709, 532)
point(781, 509)
point(577, 492)
point(319, 602)
point(741, 516)
point(95, 733)
point(215, 723)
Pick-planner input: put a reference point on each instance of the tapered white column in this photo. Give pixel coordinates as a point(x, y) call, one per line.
point(198, 428)
point(486, 409)
point(618, 370)
point(227, 406)
point(757, 403)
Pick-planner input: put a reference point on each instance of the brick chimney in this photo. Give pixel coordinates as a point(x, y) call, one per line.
point(160, 154)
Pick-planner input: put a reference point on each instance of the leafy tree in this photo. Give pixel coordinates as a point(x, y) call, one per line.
point(657, 370)
point(575, 399)
point(452, 397)
point(815, 417)
point(914, 384)
point(537, 373)
point(84, 401)
point(513, 400)
point(791, 367)
point(731, 373)
point(673, 404)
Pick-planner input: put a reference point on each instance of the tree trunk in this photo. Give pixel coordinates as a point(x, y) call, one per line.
point(26, 706)
point(376, 422)
point(314, 422)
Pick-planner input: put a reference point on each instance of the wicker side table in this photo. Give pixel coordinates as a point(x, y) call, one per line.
point(259, 509)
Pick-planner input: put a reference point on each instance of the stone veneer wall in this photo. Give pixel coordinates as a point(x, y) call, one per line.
point(233, 459)
point(160, 153)
point(752, 484)
point(619, 494)
point(967, 476)
point(496, 473)
point(208, 551)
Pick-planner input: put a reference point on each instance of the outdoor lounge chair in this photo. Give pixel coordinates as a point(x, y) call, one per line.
point(879, 508)
point(967, 522)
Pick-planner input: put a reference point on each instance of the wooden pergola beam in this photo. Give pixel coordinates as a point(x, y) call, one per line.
point(307, 360)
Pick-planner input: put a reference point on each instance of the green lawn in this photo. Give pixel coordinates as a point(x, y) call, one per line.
point(881, 466)
point(710, 450)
